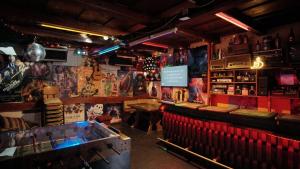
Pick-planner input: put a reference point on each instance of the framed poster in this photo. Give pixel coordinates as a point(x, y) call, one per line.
point(74, 112)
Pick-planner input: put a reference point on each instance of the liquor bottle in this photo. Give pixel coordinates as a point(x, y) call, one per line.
point(252, 77)
point(245, 91)
point(277, 41)
point(246, 77)
point(257, 46)
point(239, 77)
point(252, 91)
point(291, 45)
point(238, 91)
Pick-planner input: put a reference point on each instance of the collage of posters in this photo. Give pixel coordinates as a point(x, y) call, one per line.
point(126, 83)
point(109, 81)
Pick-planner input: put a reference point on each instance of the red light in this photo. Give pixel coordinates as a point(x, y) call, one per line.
point(155, 45)
point(232, 20)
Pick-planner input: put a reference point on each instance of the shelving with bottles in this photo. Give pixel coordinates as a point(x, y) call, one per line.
point(234, 82)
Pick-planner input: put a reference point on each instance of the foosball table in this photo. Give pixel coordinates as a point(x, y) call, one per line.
point(75, 145)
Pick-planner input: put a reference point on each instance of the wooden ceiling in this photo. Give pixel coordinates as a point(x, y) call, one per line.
point(133, 19)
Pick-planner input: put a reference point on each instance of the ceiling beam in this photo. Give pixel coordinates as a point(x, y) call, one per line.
point(178, 8)
point(30, 17)
point(196, 35)
point(116, 10)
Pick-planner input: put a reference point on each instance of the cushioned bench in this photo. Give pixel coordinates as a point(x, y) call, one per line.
point(253, 118)
point(289, 124)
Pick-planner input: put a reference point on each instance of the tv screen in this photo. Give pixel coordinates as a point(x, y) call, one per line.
point(176, 76)
point(287, 79)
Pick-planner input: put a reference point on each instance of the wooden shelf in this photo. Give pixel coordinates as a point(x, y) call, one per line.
point(234, 95)
point(233, 82)
point(221, 77)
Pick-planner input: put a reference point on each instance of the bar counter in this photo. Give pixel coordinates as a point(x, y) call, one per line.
point(238, 138)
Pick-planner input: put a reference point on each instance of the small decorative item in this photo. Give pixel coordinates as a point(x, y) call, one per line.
point(36, 52)
point(258, 63)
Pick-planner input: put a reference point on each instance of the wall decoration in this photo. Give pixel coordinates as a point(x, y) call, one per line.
point(86, 85)
point(32, 91)
point(180, 57)
point(126, 83)
point(93, 111)
point(11, 77)
point(154, 89)
point(180, 94)
point(198, 90)
point(139, 84)
point(65, 77)
point(109, 81)
point(74, 112)
point(167, 94)
point(113, 110)
point(40, 70)
point(197, 62)
point(89, 61)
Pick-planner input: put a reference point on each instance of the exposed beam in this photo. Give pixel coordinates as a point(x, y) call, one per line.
point(25, 16)
point(196, 35)
point(136, 27)
point(115, 10)
point(178, 8)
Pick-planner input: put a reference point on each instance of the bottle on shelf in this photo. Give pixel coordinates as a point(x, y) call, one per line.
point(277, 41)
point(252, 91)
point(252, 77)
point(257, 46)
point(238, 90)
point(245, 91)
point(239, 77)
point(291, 43)
point(246, 77)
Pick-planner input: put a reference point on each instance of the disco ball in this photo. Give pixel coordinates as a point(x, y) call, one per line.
point(36, 52)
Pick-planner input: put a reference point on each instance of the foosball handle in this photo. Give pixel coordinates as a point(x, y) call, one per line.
point(102, 157)
point(112, 147)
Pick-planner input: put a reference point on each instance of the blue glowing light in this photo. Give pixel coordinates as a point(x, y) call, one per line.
point(69, 143)
point(82, 124)
point(113, 48)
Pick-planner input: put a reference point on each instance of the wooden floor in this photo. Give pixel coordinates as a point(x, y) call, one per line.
point(146, 154)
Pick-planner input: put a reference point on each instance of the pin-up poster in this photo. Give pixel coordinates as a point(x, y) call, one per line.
point(93, 111)
point(154, 89)
point(126, 83)
point(198, 90)
point(65, 77)
point(74, 112)
point(87, 86)
point(109, 80)
point(113, 110)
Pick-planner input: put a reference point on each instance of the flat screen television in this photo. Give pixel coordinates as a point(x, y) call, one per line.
point(175, 76)
point(287, 79)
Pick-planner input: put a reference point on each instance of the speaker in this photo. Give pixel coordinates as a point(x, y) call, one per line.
point(262, 89)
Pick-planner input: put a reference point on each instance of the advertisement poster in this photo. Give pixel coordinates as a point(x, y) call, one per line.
point(139, 84)
point(93, 111)
point(126, 83)
point(167, 94)
point(197, 62)
point(109, 81)
point(74, 112)
point(12, 74)
point(154, 89)
point(113, 110)
point(86, 85)
point(66, 78)
point(198, 90)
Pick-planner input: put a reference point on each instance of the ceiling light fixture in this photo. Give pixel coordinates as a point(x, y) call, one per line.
point(107, 50)
point(154, 36)
point(155, 45)
point(64, 28)
point(232, 20)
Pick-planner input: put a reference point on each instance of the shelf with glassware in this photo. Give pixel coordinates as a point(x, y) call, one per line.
point(242, 82)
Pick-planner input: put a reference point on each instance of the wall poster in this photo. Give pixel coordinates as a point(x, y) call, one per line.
point(74, 113)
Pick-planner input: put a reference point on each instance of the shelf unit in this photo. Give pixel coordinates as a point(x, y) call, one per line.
point(226, 81)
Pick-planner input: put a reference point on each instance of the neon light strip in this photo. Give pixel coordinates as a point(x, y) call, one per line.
point(232, 20)
point(155, 45)
point(70, 29)
point(101, 52)
point(154, 36)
